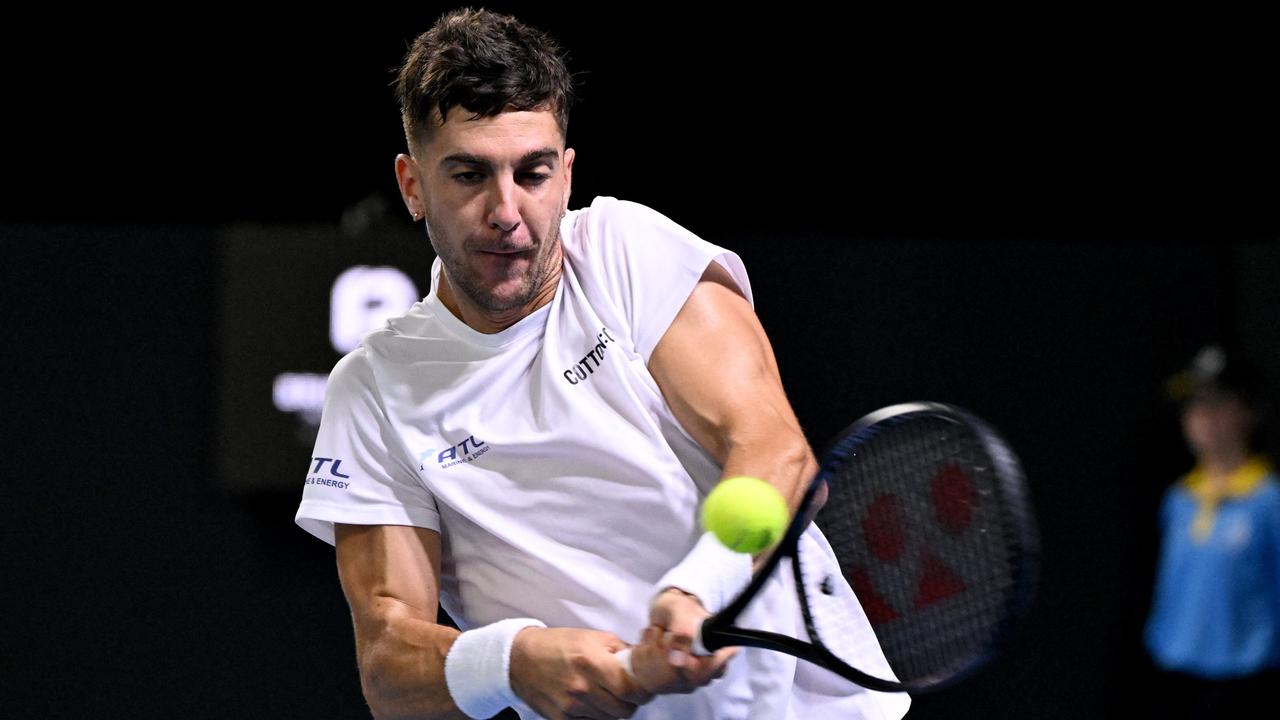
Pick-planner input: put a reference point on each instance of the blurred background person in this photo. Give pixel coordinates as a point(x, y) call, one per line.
point(1214, 626)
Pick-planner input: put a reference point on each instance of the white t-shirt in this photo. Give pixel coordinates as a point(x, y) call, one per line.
point(545, 455)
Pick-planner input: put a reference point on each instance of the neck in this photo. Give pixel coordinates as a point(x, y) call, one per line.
point(1223, 462)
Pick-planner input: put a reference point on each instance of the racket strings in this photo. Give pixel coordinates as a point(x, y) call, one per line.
point(918, 522)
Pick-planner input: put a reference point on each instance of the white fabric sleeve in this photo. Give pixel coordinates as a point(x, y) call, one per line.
point(650, 265)
point(359, 473)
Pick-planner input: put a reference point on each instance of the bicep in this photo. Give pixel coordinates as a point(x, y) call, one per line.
point(717, 371)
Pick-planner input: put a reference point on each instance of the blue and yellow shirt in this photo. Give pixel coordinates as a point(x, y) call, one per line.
point(1216, 610)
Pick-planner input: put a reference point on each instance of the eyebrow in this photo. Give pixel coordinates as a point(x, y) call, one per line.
point(533, 157)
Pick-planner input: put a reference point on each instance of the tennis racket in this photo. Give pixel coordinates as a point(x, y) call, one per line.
point(929, 519)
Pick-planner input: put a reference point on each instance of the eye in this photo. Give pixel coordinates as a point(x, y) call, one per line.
point(468, 178)
point(536, 178)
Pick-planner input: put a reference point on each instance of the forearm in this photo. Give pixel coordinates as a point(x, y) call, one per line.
point(782, 458)
point(401, 661)
point(713, 573)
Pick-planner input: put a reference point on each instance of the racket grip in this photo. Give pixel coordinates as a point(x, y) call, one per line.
point(697, 646)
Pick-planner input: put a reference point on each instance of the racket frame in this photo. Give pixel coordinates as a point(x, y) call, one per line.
point(718, 630)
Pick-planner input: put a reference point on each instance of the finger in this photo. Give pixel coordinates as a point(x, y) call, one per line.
point(600, 703)
point(678, 653)
point(615, 680)
point(581, 712)
point(684, 625)
point(723, 655)
point(613, 642)
point(663, 642)
point(586, 705)
point(652, 635)
point(660, 614)
point(707, 668)
point(601, 709)
point(682, 649)
point(674, 638)
point(675, 610)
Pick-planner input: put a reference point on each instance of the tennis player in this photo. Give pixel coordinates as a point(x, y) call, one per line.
point(528, 445)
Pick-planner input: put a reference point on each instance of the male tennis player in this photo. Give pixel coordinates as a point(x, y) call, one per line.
point(528, 445)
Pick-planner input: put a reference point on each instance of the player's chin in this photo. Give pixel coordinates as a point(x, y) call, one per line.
point(508, 294)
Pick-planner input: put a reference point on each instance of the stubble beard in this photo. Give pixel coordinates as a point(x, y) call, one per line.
point(468, 282)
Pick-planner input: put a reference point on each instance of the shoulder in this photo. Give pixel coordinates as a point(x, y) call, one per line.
point(623, 238)
point(352, 374)
point(606, 210)
point(1177, 495)
point(1269, 490)
point(640, 265)
point(1180, 488)
point(613, 226)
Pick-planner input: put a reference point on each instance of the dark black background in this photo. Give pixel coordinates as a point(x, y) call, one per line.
point(1036, 217)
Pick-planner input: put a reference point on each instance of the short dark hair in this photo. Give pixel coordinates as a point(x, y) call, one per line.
point(485, 63)
point(1218, 368)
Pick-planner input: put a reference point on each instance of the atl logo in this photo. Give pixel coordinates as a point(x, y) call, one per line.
point(333, 470)
point(463, 452)
point(318, 476)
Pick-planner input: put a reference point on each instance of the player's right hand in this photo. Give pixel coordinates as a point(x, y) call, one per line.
point(568, 672)
point(664, 661)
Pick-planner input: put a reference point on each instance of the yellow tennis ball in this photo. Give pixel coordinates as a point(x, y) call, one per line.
point(745, 513)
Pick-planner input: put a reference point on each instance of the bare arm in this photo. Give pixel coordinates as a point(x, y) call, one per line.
point(717, 371)
point(390, 575)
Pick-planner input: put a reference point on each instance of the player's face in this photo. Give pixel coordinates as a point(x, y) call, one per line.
point(1217, 422)
point(493, 191)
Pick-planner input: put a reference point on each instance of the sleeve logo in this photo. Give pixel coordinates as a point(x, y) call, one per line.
point(318, 476)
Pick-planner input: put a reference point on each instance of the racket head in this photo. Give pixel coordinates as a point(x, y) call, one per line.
point(929, 518)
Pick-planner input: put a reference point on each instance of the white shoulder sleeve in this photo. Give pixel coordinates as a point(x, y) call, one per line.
point(648, 265)
point(359, 473)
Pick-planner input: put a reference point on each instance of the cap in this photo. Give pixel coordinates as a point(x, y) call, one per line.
point(1215, 370)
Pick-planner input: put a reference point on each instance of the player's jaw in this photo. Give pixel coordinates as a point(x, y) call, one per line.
point(507, 275)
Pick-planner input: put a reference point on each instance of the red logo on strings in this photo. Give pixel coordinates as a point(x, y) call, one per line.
point(952, 497)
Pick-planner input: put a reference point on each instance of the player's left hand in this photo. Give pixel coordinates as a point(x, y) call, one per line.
point(664, 662)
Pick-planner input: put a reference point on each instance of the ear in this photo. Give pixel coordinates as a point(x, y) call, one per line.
point(569, 155)
point(412, 189)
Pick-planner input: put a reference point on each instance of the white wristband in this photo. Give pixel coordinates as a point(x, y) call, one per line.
point(477, 669)
point(711, 572)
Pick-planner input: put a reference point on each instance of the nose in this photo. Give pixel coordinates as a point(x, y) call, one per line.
point(504, 205)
